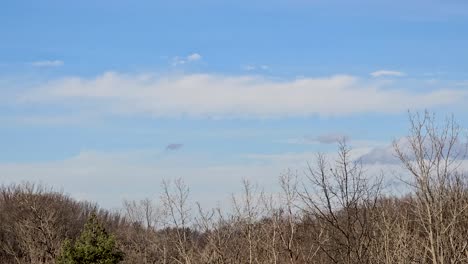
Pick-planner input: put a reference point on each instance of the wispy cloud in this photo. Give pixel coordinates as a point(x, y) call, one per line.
point(363, 145)
point(184, 60)
point(248, 67)
point(380, 155)
point(386, 154)
point(219, 96)
point(47, 63)
point(329, 138)
point(383, 73)
point(251, 67)
point(194, 57)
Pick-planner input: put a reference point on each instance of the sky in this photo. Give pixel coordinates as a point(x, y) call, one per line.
point(105, 99)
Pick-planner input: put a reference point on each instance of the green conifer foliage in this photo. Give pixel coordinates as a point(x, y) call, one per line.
point(94, 246)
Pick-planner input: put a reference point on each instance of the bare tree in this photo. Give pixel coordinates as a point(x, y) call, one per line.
point(219, 235)
point(35, 221)
point(178, 213)
point(142, 241)
point(290, 221)
point(341, 200)
point(247, 212)
point(433, 154)
point(396, 242)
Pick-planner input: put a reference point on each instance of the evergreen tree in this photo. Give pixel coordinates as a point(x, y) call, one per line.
point(94, 246)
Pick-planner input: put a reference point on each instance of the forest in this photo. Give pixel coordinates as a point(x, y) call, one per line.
point(335, 212)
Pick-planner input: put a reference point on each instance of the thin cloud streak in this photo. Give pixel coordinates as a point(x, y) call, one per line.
point(176, 61)
point(47, 63)
point(383, 73)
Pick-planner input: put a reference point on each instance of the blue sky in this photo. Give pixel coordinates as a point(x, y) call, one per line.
point(104, 99)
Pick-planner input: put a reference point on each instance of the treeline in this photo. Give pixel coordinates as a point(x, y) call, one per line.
point(336, 213)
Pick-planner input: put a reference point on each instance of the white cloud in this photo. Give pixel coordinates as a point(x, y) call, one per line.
point(47, 63)
point(220, 96)
point(382, 73)
point(251, 67)
point(385, 154)
point(329, 138)
point(380, 155)
point(178, 61)
point(184, 60)
point(194, 57)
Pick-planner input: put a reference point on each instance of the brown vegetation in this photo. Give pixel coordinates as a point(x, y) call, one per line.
point(336, 214)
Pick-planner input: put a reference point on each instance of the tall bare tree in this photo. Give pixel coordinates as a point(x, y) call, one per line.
point(433, 154)
point(178, 219)
point(340, 200)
